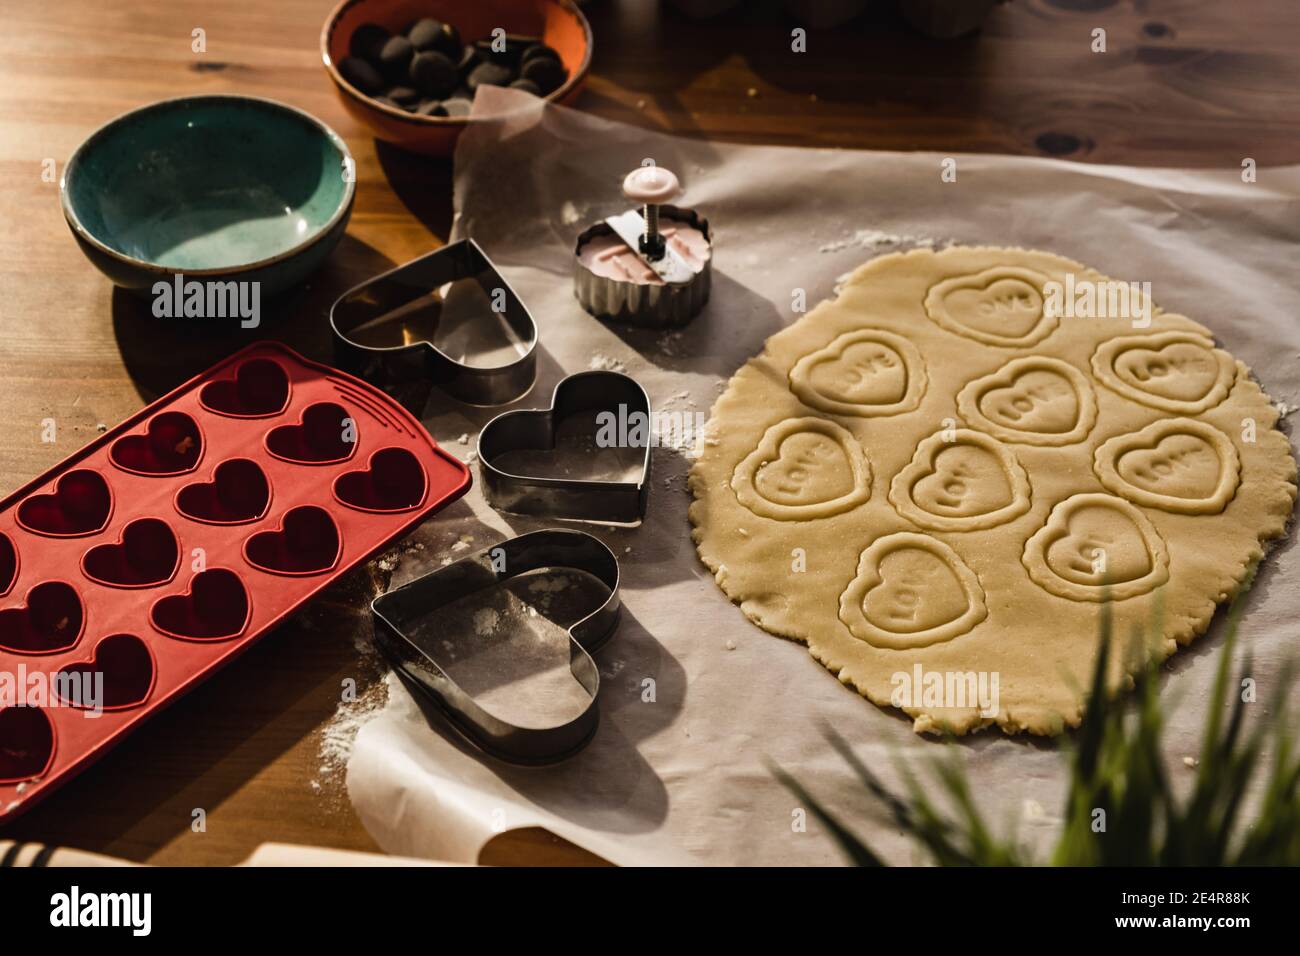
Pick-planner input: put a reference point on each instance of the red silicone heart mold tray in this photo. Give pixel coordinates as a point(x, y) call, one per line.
point(169, 544)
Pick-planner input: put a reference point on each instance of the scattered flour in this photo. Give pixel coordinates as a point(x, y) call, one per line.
point(669, 343)
point(569, 213)
point(605, 363)
point(486, 620)
point(340, 733)
point(875, 239)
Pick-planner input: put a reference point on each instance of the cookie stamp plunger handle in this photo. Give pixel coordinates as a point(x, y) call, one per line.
point(649, 186)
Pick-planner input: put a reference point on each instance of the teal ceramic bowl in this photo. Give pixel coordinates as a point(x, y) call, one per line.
point(216, 188)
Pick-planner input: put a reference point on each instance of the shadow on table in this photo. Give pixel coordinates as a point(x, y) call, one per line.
point(161, 353)
point(422, 183)
point(630, 797)
point(890, 60)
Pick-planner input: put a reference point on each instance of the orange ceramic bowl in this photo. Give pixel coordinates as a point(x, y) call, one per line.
point(559, 23)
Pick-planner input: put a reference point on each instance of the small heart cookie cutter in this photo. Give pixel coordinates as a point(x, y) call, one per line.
point(398, 612)
point(578, 499)
point(367, 304)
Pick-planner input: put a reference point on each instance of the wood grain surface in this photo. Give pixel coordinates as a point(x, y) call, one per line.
point(1183, 83)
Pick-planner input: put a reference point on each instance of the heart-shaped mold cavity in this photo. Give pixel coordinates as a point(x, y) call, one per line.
point(214, 608)
point(50, 621)
point(127, 668)
point(325, 434)
point(259, 388)
point(172, 445)
point(26, 743)
point(393, 480)
point(307, 542)
point(238, 492)
point(145, 556)
point(8, 564)
point(79, 505)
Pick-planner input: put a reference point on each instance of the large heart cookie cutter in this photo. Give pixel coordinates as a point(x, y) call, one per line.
point(398, 289)
point(398, 613)
point(609, 502)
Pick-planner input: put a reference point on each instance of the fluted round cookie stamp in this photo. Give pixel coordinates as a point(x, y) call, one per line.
point(1018, 466)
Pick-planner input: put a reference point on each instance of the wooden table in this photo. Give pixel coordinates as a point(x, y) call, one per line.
point(1183, 82)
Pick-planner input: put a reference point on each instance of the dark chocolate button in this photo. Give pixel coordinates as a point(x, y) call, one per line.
point(395, 59)
point(489, 74)
point(403, 95)
point(387, 102)
point(536, 50)
point(361, 75)
point(367, 40)
point(548, 74)
point(424, 34)
point(431, 108)
point(528, 86)
point(506, 49)
point(434, 75)
point(448, 42)
point(469, 58)
point(457, 106)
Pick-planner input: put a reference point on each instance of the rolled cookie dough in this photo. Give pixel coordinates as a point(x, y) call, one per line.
point(937, 474)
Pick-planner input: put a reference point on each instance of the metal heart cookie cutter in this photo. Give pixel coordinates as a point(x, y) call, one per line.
point(648, 268)
point(383, 330)
point(622, 412)
point(422, 654)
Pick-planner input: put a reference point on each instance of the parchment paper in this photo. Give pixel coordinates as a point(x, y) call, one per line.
point(687, 776)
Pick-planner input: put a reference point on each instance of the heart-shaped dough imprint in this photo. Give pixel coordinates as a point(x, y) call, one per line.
point(864, 373)
point(803, 468)
point(960, 480)
point(911, 591)
point(1178, 372)
point(1002, 306)
point(1031, 401)
point(1094, 546)
point(1179, 465)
